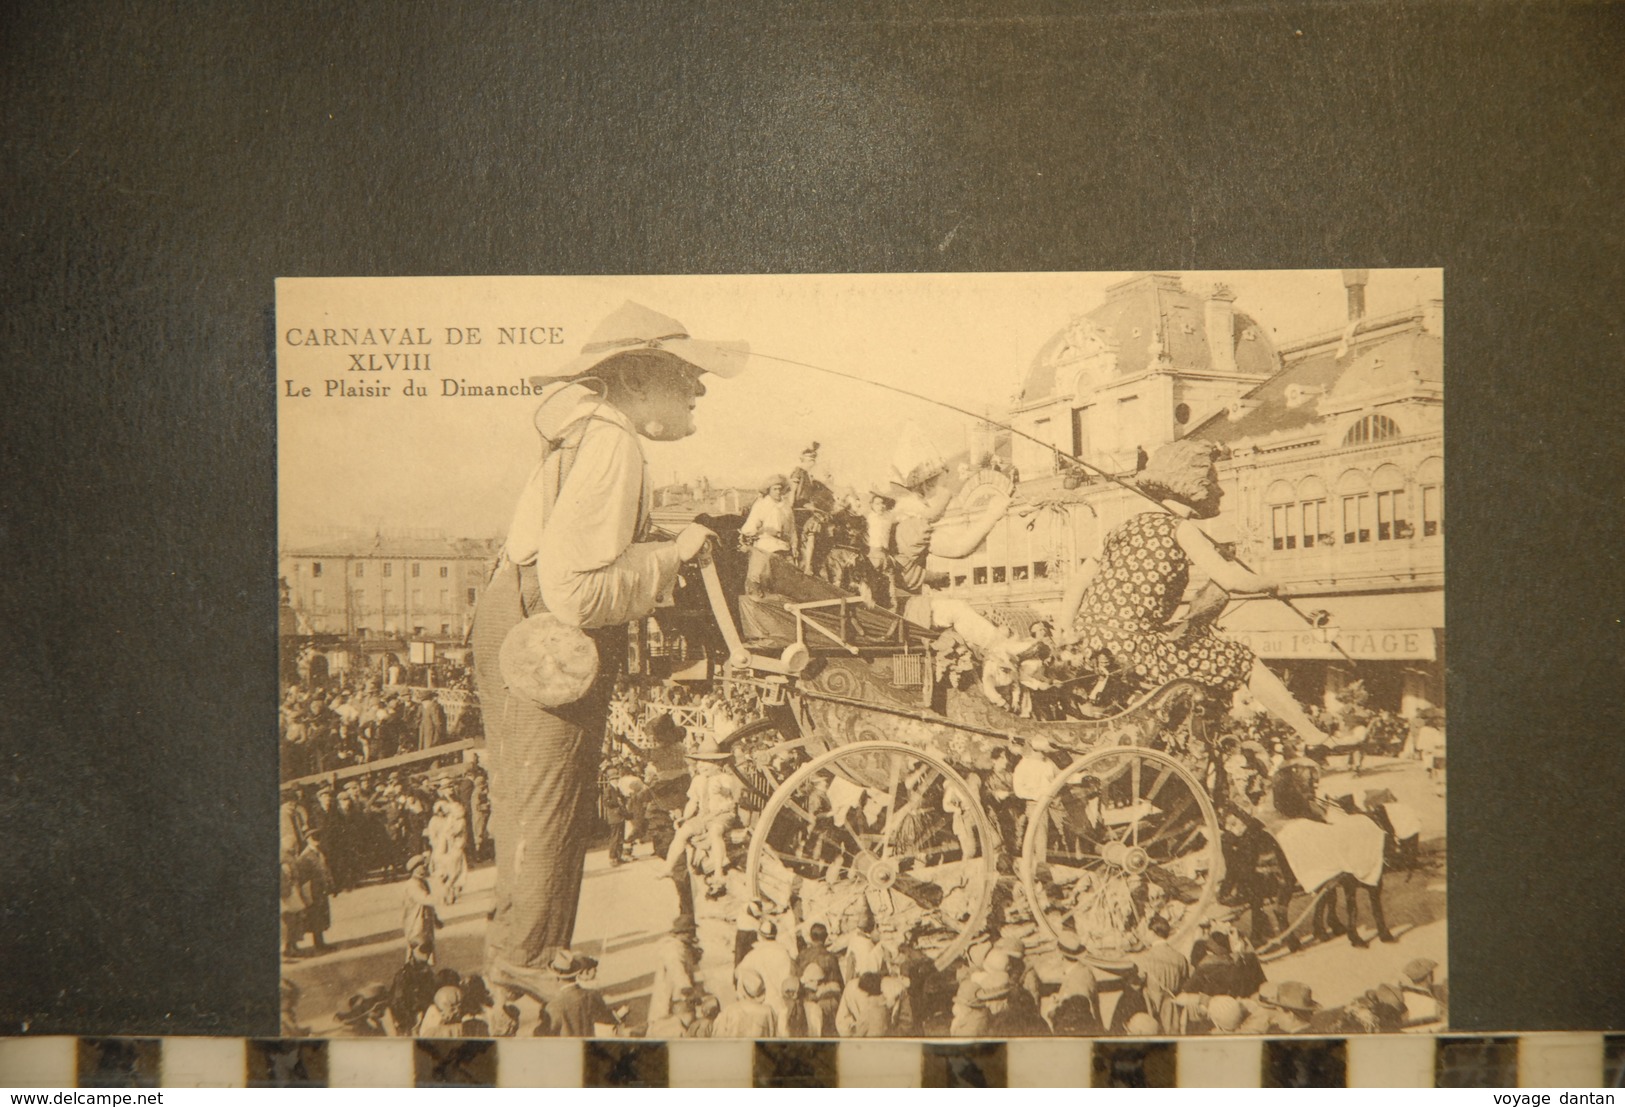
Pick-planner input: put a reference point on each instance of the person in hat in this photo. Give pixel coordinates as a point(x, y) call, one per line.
point(811, 503)
point(1216, 970)
point(444, 1017)
point(1225, 1014)
point(1126, 599)
point(797, 1015)
point(447, 835)
point(817, 952)
point(772, 961)
point(412, 991)
point(770, 530)
point(1296, 790)
point(1077, 1002)
point(969, 1012)
point(578, 1011)
point(1294, 1005)
point(684, 1020)
point(1430, 743)
point(577, 550)
point(1167, 971)
point(419, 919)
point(1400, 823)
point(713, 807)
point(916, 967)
point(1381, 1010)
point(363, 1016)
point(1142, 1024)
point(1425, 1000)
point(431, 721)
point(1032, 777)
point(919, 486)
point(292, 902)
point(1131, 1000)
point(748, 1016)
point(880, 520)
point(315, 882)
point(500, 1018)
point(677, 965)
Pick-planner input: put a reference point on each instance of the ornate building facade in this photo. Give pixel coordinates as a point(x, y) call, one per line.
point(1333, 476)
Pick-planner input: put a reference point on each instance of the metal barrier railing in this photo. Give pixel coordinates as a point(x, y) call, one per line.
point(383, 763)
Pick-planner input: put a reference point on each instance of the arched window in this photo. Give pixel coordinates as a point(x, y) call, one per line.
point(1314, 513)
point(1392, 504)
point(1372, 428)
point(1282, 499)
point(1355, 508)
point(1430, 491)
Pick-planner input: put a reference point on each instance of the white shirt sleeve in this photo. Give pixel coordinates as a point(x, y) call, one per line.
point(591, 571)
point(755, 520)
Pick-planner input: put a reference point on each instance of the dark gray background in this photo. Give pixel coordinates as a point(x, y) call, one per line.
point(163, 163)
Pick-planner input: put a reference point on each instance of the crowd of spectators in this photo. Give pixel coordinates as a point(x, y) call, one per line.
point(804, 985)
point(790, 979)
point(340, 835)
point(714, 713)
point(334, 724)
point(1257, 744)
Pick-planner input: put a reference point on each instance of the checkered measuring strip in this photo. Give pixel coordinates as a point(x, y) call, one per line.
point(1538, 1060)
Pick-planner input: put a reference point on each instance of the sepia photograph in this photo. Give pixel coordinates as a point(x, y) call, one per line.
point(979, 655)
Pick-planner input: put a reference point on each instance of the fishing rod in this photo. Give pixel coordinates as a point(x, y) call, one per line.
point(1313, 621)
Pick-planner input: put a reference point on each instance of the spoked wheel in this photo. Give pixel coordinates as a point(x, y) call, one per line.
point(880, 827)
point(1122, 835)
point(764, 756)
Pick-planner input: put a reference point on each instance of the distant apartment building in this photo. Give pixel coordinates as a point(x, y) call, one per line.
point(383, 587)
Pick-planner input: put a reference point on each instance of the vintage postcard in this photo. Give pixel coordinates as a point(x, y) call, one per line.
point(964, 655)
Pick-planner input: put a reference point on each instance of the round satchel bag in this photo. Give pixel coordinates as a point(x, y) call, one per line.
point(547, 661)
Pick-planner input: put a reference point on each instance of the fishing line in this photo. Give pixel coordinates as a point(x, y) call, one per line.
point(1313, 621)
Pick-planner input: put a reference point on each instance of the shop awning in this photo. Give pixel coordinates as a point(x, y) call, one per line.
point(1391, 626)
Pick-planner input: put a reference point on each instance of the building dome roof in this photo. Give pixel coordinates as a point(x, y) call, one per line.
point(1147, 318)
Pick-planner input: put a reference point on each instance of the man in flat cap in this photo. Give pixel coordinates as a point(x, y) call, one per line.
point(577, 551)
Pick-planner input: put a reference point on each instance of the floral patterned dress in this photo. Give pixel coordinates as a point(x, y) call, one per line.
point(1142, 577)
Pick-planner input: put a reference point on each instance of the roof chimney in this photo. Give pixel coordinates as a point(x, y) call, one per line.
point(1354, 280)
point(1219, 313)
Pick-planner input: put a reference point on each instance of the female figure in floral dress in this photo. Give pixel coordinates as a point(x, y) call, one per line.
point(1122, 606)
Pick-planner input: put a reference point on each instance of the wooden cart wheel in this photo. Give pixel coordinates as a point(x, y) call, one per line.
point(764, 756)
point(1120, 834)
point(918, 851)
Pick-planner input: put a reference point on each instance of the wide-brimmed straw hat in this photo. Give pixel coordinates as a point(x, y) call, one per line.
point(1387, 995)
point(633, 327)
point(364, 1003)
point(709, 751)
point(1417, 971)
point(915, 460)
point(1294, 997)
